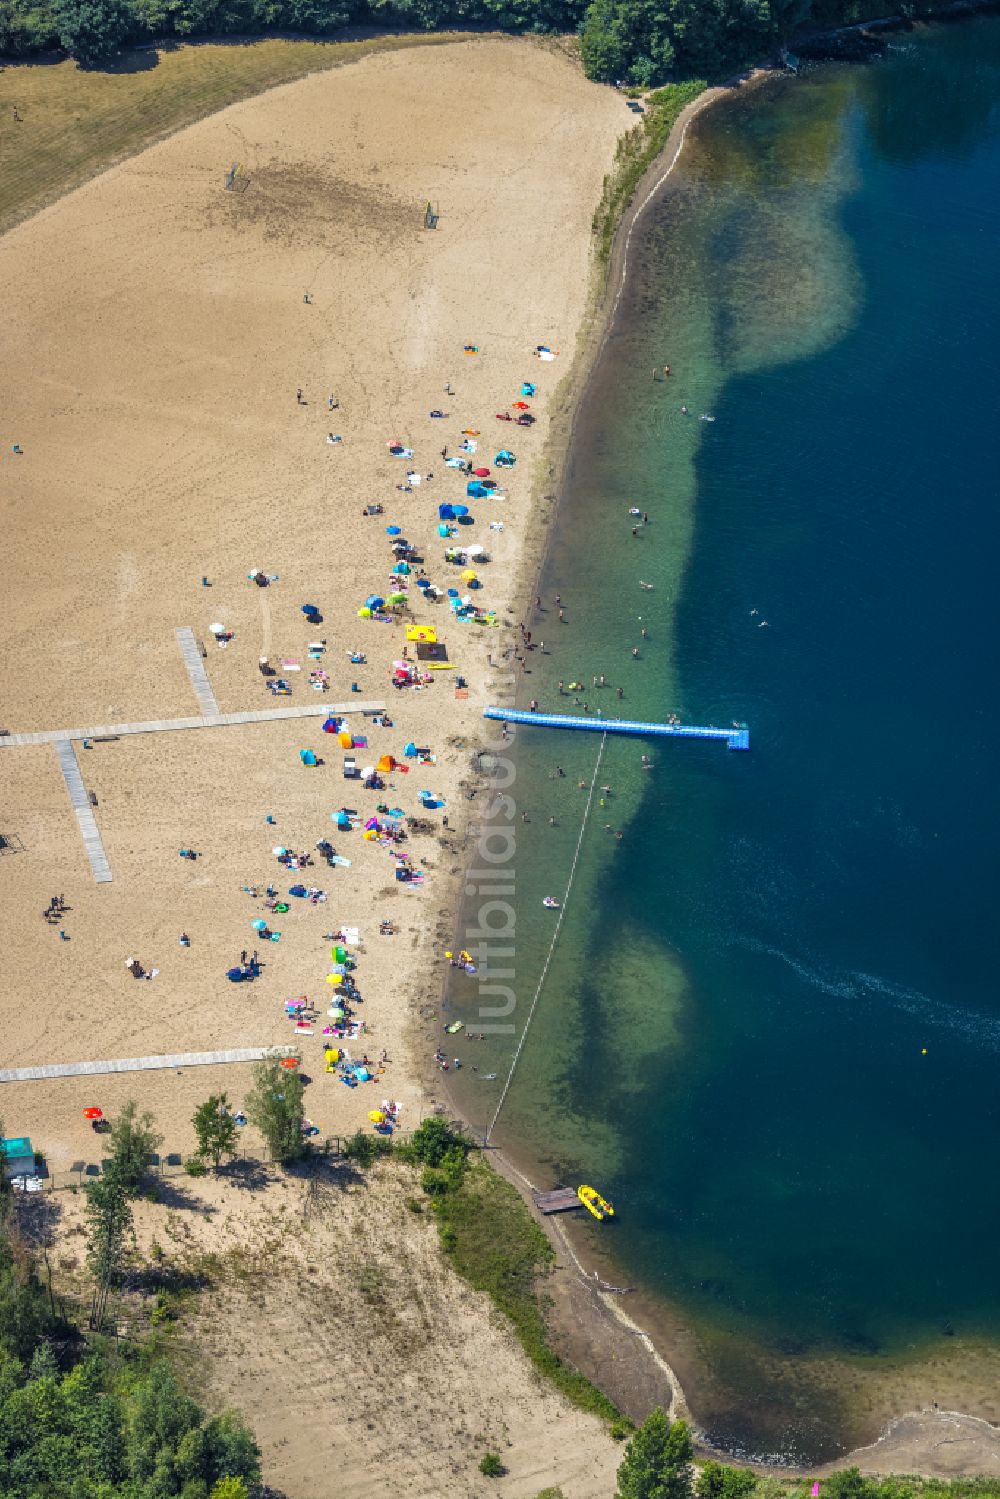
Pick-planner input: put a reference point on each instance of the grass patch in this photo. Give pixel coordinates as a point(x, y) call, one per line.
point(495, 1244)
point(76, 123)
point(636, 152)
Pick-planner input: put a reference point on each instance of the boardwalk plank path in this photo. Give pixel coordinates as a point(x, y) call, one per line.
point(209, 721)
point(196, 671)
point(84, 815)
point(140, 1064)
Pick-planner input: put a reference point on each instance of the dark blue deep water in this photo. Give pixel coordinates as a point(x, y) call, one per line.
point(772, 1032)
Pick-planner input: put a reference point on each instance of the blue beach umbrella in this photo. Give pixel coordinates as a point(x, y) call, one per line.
point(393, 530)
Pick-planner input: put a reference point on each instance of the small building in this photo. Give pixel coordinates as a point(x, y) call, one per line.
point(18, 1157)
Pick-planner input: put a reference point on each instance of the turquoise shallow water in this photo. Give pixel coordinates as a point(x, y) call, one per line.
point(771, 1030)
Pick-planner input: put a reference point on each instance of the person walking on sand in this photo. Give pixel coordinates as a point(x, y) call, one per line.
point(298, 397)
point(331, 403)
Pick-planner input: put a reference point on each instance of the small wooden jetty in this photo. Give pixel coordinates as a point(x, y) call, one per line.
point(562, 1200)
point(735, 738)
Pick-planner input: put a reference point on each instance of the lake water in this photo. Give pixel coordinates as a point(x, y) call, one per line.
point(771, 1028)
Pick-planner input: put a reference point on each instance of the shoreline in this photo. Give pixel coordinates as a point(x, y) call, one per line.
point(586, 1322)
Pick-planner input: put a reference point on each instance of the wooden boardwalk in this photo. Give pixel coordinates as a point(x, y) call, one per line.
point(141, 1064)
point(66, 755)
point(562, 1200)
point(208, 721)
point(191, 652)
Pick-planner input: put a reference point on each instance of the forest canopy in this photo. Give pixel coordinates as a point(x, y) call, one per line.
point(638, 42)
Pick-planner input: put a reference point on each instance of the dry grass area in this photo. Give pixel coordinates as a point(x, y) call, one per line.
point(332, 1321)
point(76, 123)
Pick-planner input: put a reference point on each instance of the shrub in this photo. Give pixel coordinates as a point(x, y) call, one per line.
point(491, 1466)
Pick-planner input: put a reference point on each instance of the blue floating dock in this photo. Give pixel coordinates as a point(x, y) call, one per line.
point(736, 739)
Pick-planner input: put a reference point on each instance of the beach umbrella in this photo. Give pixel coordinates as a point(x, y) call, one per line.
point(445, 512)
point(309, 609)
point(331, 726)
point(470, 431)
point(362, 1074)
point(460, 509)
point(423, 583)
point(258, 925)
point(376, 1116)
point(453, 593)
point(279, 850)
point(393, 530)
point(374, 601)
point(289, 1062)
point(397, 598)
point(402, 568)
point(336, 1012)
point(481, 473)
point(521, 406)
point(334, 978)
point(93, 1113)
point(217, 629)
point(475, 551)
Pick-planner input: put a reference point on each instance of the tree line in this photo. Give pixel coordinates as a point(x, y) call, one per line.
point(82, 1420)
point(638, 42)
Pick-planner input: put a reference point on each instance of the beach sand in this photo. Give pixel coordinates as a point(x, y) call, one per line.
point(330, 1319)
point(149, 373)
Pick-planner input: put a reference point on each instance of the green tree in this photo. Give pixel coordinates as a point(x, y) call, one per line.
point(274, 1105)
point(717, 1481)
point(25, 1315)
point(92, 30)
point(215, 1128)
point(657, 1462)
point(110, 1233)
point(434, 1140)
point(133, 1140)
point(230, 1488)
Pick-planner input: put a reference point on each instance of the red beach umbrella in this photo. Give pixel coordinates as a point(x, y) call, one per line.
point(289, 1062)
point(481, 473)
point(521, 406)
point(93, 1113)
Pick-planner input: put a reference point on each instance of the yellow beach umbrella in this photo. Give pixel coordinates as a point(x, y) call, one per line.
point(335, 978)
point(376, 1116)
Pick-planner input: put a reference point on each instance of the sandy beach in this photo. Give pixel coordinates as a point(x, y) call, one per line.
point(150, 384)
point(153, 438)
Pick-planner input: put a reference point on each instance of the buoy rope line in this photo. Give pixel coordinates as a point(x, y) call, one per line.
point(552, 945)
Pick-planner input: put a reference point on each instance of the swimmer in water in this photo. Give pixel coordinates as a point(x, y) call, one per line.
point(706, 418)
